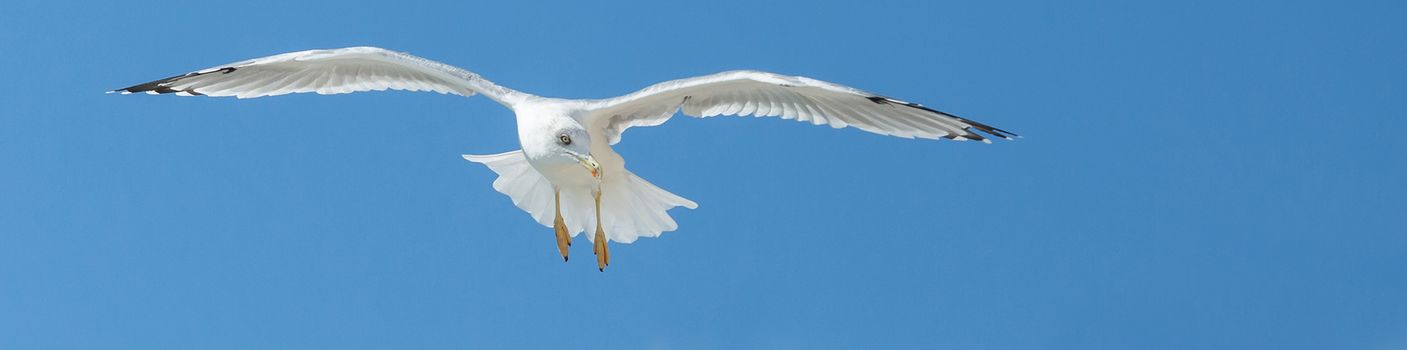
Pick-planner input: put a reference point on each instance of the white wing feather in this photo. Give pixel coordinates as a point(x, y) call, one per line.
point(335, 71)
point(744, 93)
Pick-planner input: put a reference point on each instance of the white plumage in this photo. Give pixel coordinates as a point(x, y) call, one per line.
point(630, 206)
point(325, 72)
point(752, 93)
point(561, 136)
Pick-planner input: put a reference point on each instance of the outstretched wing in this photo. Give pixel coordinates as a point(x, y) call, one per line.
point(744, 93)
point(335, 71)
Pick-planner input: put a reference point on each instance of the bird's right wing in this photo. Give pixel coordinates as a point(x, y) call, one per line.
point(335, 71)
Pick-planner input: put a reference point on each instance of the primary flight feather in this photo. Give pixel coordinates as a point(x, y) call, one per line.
point(566, 175)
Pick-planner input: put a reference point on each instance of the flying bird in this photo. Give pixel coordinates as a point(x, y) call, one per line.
point(566, 176)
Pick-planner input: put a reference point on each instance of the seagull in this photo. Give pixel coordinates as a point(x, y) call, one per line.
point(566, 176)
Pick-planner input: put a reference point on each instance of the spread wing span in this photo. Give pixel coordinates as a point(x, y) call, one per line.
point(334, 71)
point(754, 93)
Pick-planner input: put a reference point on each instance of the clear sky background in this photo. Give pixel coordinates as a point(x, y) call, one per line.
point(1197, 175)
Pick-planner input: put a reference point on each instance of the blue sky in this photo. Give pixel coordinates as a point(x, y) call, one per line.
point(1193, 175)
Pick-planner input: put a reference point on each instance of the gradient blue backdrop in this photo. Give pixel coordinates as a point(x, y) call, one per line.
point(1197, 175)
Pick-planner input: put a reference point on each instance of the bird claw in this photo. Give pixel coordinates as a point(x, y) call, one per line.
point(564, 239)
point(603, 254)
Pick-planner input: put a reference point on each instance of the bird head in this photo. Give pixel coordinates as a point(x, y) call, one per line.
point(576, 143)
point(560, 146)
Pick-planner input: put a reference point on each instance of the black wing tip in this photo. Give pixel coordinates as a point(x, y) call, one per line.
point(155, 87)
point(159, 86)
point(154, 90)
point(990, 130)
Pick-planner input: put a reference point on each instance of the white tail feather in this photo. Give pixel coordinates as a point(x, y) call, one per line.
point(630, 206)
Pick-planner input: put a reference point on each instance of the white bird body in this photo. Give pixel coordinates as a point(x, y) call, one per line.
point(539, 120)
point(566, 175)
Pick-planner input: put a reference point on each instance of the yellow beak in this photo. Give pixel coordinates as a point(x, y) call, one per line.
point(591, 165)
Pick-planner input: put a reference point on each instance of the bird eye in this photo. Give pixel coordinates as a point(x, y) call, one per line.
point(566, 140)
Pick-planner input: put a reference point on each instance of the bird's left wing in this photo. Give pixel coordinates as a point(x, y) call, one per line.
point(335, 71)
point(744, 93)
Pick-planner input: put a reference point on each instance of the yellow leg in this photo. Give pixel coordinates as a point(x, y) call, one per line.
point(603, 256)
point(563, 239)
